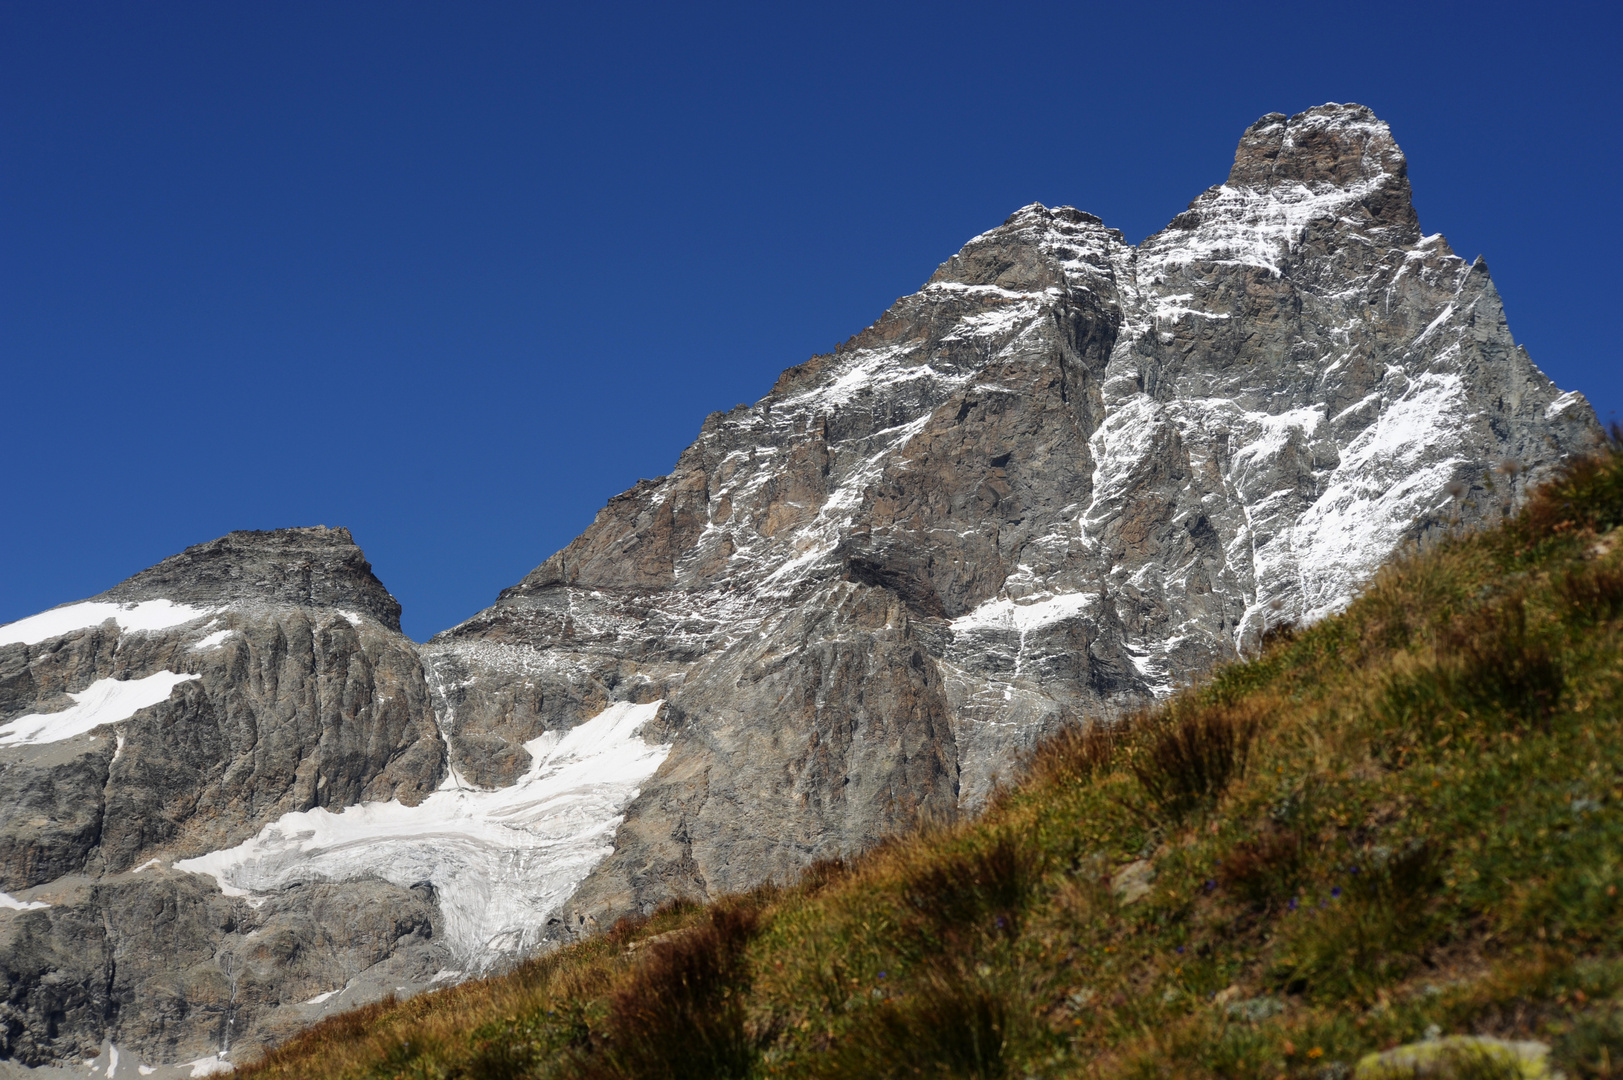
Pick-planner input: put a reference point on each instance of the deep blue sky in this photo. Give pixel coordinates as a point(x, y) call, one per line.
point(454, 274)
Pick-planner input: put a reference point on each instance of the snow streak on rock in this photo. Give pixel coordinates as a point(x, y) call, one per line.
point(105, 701)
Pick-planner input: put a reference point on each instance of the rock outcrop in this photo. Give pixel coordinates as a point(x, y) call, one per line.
point(1066, 475)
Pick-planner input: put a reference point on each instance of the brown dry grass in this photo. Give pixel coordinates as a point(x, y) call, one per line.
point(351, 1044)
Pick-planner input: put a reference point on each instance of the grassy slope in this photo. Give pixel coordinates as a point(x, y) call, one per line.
point(1404, 817)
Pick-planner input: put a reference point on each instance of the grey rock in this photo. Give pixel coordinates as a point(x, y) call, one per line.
point(310, 567)
point(1459, 1056)
point(1254, 1010)
point(1133, 882)
point(164, 966)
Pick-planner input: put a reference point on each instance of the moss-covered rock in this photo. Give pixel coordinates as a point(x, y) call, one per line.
point(1459, 1057)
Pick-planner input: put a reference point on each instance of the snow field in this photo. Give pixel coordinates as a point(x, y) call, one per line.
point(145, 615)
point(501, 862)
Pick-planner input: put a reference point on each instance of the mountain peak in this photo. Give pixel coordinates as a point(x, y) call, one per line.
point(1037, 247)
point(1340, 145)
point(311, 565)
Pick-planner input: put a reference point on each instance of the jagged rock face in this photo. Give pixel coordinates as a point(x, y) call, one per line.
point(1065, 475)
point(175, 714)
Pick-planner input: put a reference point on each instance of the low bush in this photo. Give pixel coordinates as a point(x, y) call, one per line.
point(1592, 1045)
point(680, 1013)
point(1185, 762)
point(1366, 931)
point(1501, 666)
point(823, 873)
point(1075, 754)
point(982, 890)
point(948, 1024)
point(1264, 871)
point(1591, 594)
point(1586, 494)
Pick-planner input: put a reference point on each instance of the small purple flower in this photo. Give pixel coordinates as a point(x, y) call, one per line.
point(1355, 869)
point(1210, 885)
point(881, 974)
point(1180, 950)
point(1293, 903)
point(1335, 893)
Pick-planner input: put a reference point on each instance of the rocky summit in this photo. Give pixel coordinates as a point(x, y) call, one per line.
point(1063, 477)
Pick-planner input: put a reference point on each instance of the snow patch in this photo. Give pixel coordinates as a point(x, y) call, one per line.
point(1022, 615)
point(145, 615)
point(212, 1065)
point(1561, 404)
point(500, 861)
point(1276, 431)
point(214, 640)
point(11, 903)
point(1249, 226)
point(105, 701)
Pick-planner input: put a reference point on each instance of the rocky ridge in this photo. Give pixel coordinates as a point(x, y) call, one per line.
point(1061, 477)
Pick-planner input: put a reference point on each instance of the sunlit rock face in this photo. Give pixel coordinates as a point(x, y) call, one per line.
point(1063, 477)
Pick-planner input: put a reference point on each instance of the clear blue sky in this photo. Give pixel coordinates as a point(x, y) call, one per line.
point(454, 274)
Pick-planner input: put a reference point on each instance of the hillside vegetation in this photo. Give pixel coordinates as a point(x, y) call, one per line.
point(1404, 820)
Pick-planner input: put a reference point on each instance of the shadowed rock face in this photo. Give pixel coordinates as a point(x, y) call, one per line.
point(1062, 477)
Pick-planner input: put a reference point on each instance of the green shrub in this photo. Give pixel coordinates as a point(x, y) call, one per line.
point(1367, 931)
point(1590, 594)
point(1587, 493)
point(1592, 1046)
point(1074, 754)
point(1501, 666)
point(1265, 869)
